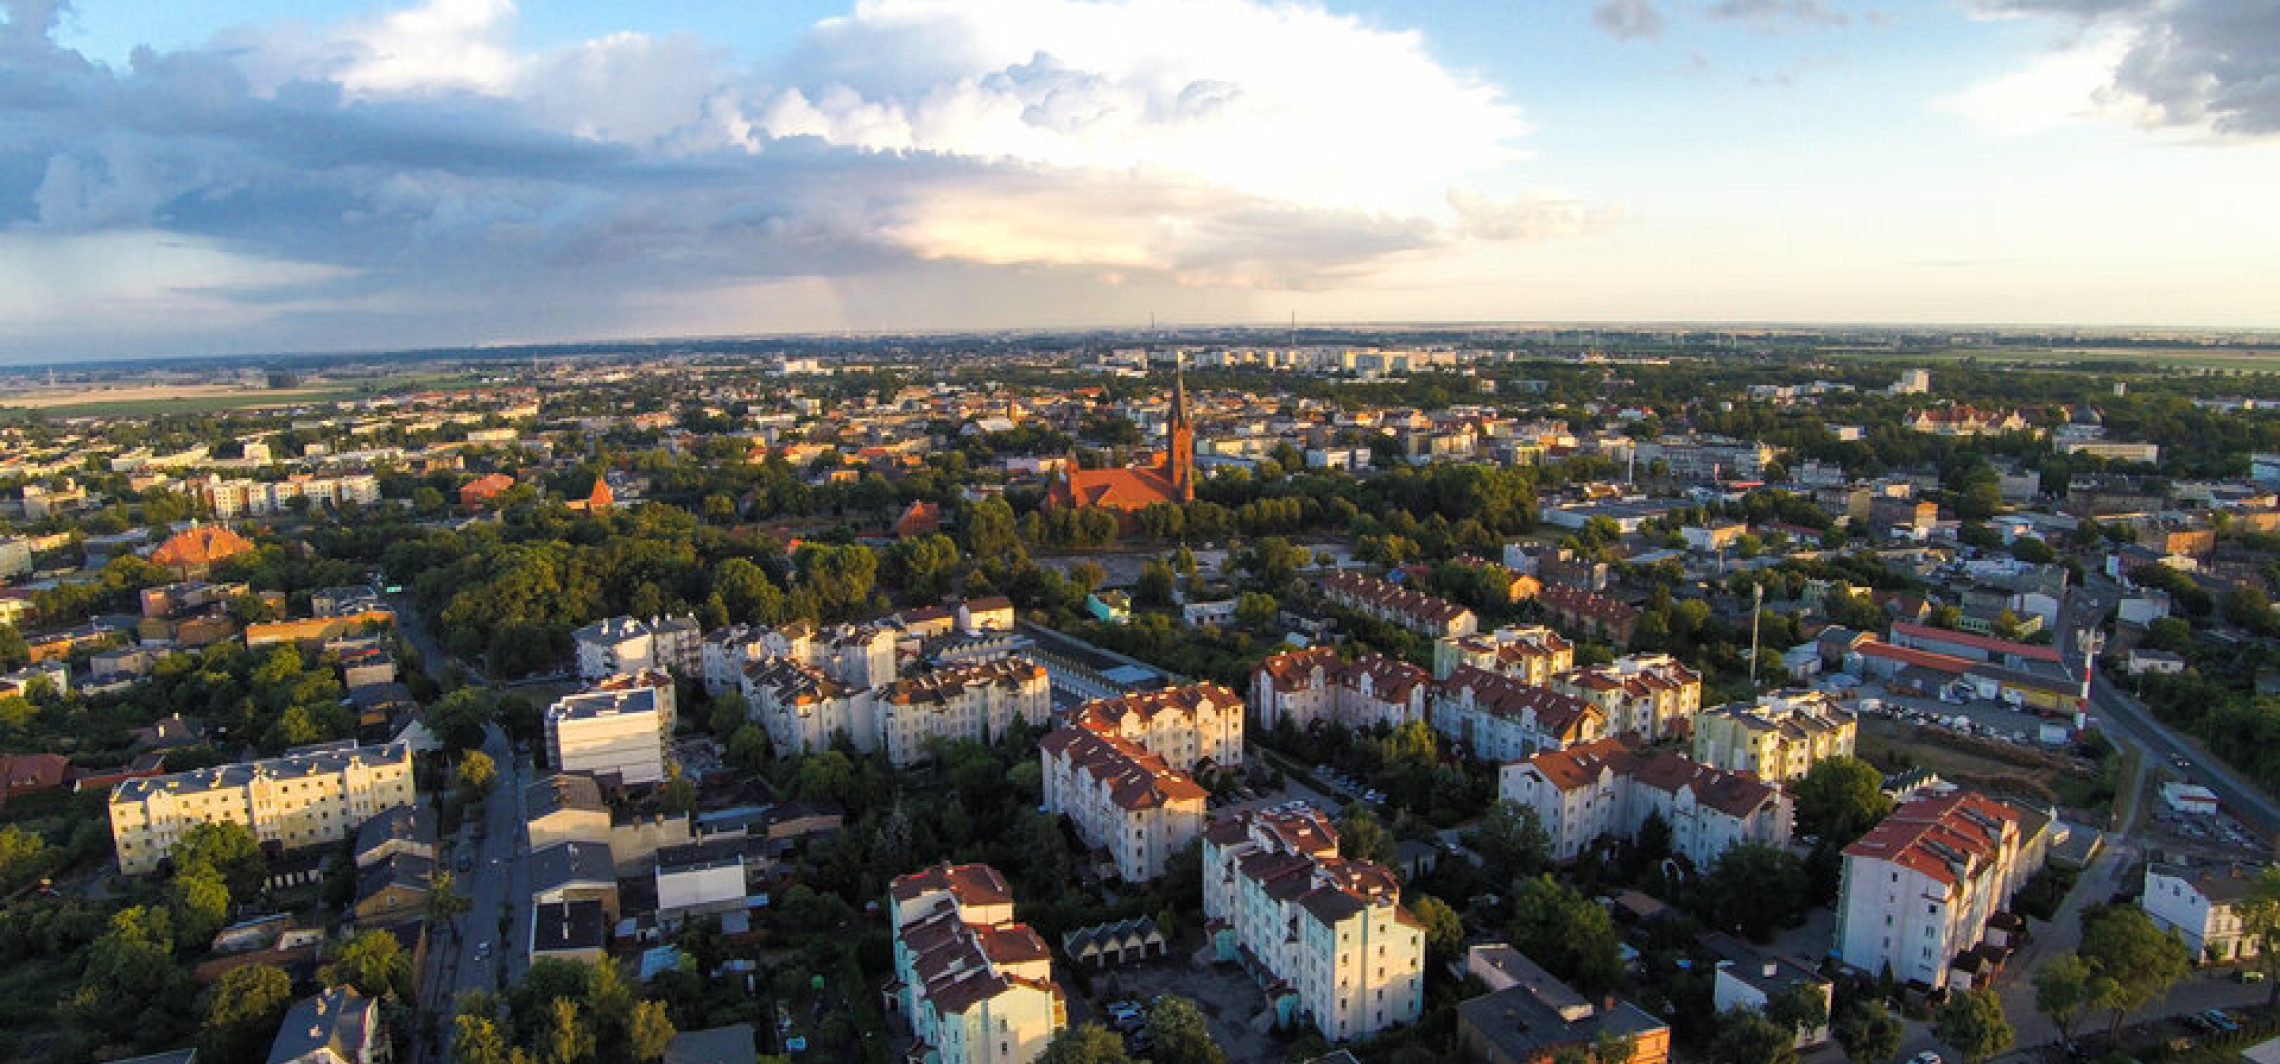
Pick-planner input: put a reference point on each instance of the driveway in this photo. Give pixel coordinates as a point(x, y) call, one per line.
point(1232, 1005)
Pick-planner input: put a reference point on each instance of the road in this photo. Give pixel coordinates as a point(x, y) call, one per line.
point(2124, 717)
point(496, 880)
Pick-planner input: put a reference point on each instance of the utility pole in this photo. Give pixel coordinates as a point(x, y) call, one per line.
point(1757, 602)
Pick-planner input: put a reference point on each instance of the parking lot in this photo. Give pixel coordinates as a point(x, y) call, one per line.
point(1978, 716)
point(1231, 1003)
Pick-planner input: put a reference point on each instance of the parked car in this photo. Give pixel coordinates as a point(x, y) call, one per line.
point(2220, 1021)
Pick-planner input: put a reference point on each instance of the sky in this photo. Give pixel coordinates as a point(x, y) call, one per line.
point(206, 177)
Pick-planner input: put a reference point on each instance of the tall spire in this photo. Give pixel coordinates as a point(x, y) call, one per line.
point(1179, 389)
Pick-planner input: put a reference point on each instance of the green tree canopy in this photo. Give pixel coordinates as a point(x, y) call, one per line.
point(1973, 1023)
point(240, 1012)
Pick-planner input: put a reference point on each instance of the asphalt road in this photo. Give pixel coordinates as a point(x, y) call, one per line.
point(496, 880)
point(2125, 718)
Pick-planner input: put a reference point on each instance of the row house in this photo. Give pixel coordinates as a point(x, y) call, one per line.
point(631, 644)
point(256, 498)
point(1316, 686)
point(299, 800)
point(1435, 618)
point(1779, 737)
point(976, 701)
point(1922, 889)
point(1499, 718)
point(1531, 654)
point(1189, 727)
point(1650, 695)
point(1123, 800)
point(1592, 615)
point(1325, 936)
point(1607, 790)
point(975, 986)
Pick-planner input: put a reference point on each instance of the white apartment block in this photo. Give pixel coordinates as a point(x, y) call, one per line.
point(801, 707)
point(1605, 790)
point(630, 644)
point(1779, 737)
point(1186, 726)
point(1499, 718)
point(1122, 799)
point(1532, 654)
point(977, 701)
point(2202, 905)
point(726, 651)
point(1316, 686)
point(305, 799)
point(1647, 695)
point(1920, 888)
point(623, 732)
point(975, 986)
point(1326, 935)
point(257, 498)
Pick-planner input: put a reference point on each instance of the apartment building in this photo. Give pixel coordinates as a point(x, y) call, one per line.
point(976, 700)
point(1779, 737)
point(1309, 687)
point(256, 498)
point(975, 986)
point(801, 707)
point(1921, 888)
point(1190, 726)
point(623, 732)
point(724, 652)
point(1424, 614)
point(1649, 695)
point(2202, 905)
point(1532, 654)
point(1528, 1016)
point(1326, 936)
point(1607, 790)
point(1499, 718)
point(1591, 615)
point(630, 644)
point(1123, 800)
point(302, 799)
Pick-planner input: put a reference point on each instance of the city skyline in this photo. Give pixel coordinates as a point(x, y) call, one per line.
point(205, 178)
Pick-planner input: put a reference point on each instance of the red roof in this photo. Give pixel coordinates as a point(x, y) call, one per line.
point(1114, 489)
point(1942, 837)
point(1902, 629)
point(202, 545)
point(32, 772)
point(1911, 656)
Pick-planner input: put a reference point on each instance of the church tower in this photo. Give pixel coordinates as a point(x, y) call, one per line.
point(1179, 456)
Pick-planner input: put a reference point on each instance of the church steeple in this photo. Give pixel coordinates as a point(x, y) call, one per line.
point(1179, 455)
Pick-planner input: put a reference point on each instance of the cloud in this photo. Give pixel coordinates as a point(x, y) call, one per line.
point(412, 176)
point(1773, 16)
point(1530, 217)
point(1628, 20)
point(2212, 64)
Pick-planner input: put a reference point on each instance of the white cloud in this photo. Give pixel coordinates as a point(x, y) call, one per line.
point(439, 45)
point(2059, 89)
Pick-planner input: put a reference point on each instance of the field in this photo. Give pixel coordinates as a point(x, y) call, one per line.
point(152, 400)
point(2114, 358)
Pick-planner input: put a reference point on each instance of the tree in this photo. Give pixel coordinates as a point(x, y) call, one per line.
point(1176, 1026)
point(1362, 837)
point(1444, 931)
point(200, 902)
point(458, 718)
point(446, 903)
point(1255, 612)
point(564, 1037)
point(1567, 933)
point(373, 963)
point(477, 775)
point(2173, 634)
point(240, 1013)
point(226, 847)
point(990, 537)
point(1511, 842)
point(1754, 888)
point(1973, 1023)
point(2136, 961)
point(1839, 799)
point(2064, 988)
point(1802, 1007)
point(1746, 1037)
point(2260, 919)
point(23, 857)
point(14, 654)
point(1867, 1030)
point(1088, 1043)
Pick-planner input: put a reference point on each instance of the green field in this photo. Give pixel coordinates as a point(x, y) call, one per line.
point(323, 392)
point(2152, 359)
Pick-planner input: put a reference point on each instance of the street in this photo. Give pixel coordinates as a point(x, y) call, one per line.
point(496, 880)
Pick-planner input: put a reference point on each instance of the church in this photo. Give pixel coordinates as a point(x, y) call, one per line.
point(1169, 478)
